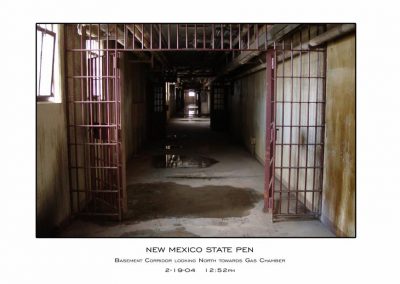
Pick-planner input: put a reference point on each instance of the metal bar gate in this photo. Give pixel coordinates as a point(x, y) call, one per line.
point(94, 124)
point(295, 107)
point(295, 131)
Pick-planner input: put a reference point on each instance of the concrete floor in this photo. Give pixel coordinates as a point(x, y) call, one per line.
point(214, 189)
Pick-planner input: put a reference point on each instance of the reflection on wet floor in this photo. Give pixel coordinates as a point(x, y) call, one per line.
point(191, 110)
point(172, 147)
point(167, 199)
point(176, 136)
point(182, 161)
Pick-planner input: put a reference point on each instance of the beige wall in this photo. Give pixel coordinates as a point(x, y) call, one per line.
point(338, 210)
point(52, 182)
point(52, 167)
point(247, 112)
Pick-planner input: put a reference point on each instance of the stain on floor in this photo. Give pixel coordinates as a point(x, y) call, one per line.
point(179, 233)
point(148, 201)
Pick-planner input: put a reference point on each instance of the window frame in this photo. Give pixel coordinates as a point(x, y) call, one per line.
point(45, 98)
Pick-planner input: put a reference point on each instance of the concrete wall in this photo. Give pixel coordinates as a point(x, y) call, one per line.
point(247, 112)
point(338, 207)
point(52, 188)
point(134, 88)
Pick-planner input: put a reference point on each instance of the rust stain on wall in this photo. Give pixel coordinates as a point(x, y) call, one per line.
point(338, 209)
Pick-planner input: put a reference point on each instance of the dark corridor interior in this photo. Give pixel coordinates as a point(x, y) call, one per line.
point(194, 129)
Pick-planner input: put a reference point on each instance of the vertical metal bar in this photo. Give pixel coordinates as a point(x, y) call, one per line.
point(195, 36)
point(142, 36)
point(83, 111)
point(266, 37)
point(269, 172)
point(323, 106)
point(116, 108)
point(89, 68)
point(177, 36)
point(134, 36)
point(283, 124)
point(230, 36)
point(213, 36)
point(204, 36)
point(222, 37)
point(159, 35)
point(169, 36)
point(299, 123)
point(240, 37)
point(274, 64)
point(248, 36)
point(98, 93)
point(186, 35)
point(75, 130)
point(291, 122)
point(315, 132)
point(151, 36)
point(308, 116)
point(257, 35)
point(108, 98)
point(125, 37)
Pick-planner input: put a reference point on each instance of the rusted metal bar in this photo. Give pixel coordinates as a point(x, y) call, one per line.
point(283, 123)
point(299, 130)
point(269, 171)
point(230, 36)
point(240, 36)
point(291, 123)
point(222, 36)
point(204, 36)
point(159, 36)
point(315, 134)
point(195, 36)
point(169, 36)
point(177, 36)
point(248, 36)
point(151, 36)
point(213, 36)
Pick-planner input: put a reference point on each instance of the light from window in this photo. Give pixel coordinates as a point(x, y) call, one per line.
point(191, 94)
point(45, 53)
point(95, 69)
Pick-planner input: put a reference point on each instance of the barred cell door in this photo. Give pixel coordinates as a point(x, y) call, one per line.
point(159, 115)
point(94, 127)
point(218, 107)
point(295, 131)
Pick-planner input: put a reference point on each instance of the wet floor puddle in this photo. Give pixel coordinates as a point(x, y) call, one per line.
point(182, 161)
point(167, 199)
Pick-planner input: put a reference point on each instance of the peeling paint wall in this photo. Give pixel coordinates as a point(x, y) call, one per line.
point(338, 209)
point(247, 113)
